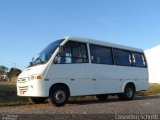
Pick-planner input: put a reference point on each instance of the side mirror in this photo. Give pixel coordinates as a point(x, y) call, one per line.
point(60, 49)
point(57, 58)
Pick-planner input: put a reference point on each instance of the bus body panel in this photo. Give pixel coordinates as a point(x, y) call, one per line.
point(90, 79)
point(110, 78)
point(26, 83)
point(73, 75)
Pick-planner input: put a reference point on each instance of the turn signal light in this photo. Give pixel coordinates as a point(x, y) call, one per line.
point(38, 77)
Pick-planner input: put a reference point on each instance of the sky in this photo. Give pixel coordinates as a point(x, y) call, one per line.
point(28, 26)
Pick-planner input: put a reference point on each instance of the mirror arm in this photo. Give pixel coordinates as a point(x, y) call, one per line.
point(60, 49)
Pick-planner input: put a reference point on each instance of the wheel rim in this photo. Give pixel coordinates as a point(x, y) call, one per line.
point(129, 92)
point(60, 96)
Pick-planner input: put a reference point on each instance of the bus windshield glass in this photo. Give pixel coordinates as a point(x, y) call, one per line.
point(46, 54)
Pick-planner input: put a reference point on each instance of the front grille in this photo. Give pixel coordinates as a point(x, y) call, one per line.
point(22, 80)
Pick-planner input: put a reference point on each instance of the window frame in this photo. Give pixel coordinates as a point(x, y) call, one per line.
point(110, 48)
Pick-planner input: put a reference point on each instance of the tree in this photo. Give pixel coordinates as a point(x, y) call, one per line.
point(14, 72)
point(3, 69)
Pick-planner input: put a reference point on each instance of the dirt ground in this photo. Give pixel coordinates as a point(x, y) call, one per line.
point(141, 105)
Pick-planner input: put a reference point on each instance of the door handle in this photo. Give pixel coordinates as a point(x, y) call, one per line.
point(72, 79)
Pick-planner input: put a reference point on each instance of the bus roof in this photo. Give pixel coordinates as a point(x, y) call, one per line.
point(102, 43)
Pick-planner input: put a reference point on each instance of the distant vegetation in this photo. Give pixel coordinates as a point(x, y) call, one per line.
point(8, 75)
point(14, 72)
point(8, 94)
point(154, 89)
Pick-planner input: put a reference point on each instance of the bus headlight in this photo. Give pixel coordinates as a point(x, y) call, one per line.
point(35, 77)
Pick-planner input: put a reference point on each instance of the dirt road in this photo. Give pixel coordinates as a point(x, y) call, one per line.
point(140, 105)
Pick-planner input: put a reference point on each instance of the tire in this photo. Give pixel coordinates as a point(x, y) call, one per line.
point(128, 94)
point(37, 100)
point(102, 97)
point(59, 96)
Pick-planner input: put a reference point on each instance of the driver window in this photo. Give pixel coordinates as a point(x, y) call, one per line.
point(73, 52)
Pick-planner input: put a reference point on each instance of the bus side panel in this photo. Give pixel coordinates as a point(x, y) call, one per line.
point(140, 78)
point(91, 79)
point(104, 78)
point(111, 79)
point(73, 75)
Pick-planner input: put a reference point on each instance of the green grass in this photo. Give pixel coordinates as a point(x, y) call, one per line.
point(154, 89)
point(8, 94)
point(8, 83)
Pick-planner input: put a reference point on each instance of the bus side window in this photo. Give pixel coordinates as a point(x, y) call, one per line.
point(122, 57)
point(64, 56)
point(139, 60)
point(73, 52)
point(101, 55)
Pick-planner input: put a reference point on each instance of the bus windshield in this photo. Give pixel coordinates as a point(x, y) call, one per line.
point(46, 54)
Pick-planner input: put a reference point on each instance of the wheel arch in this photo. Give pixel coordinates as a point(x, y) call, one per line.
point(128, 83)
point(59, 84)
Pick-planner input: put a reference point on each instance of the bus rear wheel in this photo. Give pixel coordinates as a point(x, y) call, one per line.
point(128, 94)
point(59, 96)
point(37, 100)
point(102, 97)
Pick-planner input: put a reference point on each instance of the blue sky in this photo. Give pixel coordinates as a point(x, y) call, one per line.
point(27, 26)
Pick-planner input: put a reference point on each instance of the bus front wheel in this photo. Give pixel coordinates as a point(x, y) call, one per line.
point(59, 96)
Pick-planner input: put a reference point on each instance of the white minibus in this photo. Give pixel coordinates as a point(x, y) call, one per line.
point(75, 66)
